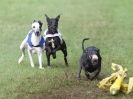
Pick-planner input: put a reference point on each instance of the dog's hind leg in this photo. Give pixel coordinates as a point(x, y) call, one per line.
point(22, 48)
point(65, 56)
point(30, 57)
point(22, 56)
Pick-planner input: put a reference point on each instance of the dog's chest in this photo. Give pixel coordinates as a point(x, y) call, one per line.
point(35, 39)
point(90, 69)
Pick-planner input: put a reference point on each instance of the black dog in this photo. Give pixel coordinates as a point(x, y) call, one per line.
point(54, 41)
point(90, 61)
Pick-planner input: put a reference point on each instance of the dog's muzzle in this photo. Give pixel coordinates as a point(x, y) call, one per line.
point(37, 33)
point(94, 59)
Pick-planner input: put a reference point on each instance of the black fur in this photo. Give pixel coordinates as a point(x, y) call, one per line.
point(40, 25)
point(52, 29)
point(86, 62)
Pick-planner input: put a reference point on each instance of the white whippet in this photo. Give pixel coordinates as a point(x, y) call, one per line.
point(34, 43)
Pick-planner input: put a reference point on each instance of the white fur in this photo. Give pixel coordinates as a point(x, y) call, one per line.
point(52, 41)
point(35, 41)
point(94, 57)
point(53, 35)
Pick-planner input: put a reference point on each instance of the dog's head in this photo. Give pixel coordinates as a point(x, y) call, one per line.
point(52, 24)
point(93, 54)
point(37, 27)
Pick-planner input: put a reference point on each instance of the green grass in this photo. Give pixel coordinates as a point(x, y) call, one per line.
point(107, 22)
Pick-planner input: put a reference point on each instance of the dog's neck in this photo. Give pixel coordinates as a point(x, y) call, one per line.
point(35, 39)
point(50, 31)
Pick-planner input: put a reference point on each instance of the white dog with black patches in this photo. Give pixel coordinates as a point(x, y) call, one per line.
point(34, 43)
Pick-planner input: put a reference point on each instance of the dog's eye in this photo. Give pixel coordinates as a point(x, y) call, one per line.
point(33, 26)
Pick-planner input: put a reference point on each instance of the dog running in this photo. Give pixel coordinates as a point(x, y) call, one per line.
point(90, 61)
point(54, 41)
point(34, 43)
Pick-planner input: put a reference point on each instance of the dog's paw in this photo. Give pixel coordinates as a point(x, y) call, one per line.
point(41, 67)
point(20, 60)
point(32, 65)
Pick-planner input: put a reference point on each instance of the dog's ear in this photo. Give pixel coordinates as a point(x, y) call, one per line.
point(98, 50)
point(40, 22)
point(47, 18)
point(58, 17)
point(98, 53)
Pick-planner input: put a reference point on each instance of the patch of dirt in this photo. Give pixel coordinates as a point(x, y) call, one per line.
point(74, 92)
point(70, 89)
point(81, 90)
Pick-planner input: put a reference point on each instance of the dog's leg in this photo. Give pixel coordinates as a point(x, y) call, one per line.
point(79, 72)
point(22, 56)
point(48, 58)
point(22, 48)
point(87, 75)
point(65, 56)
point(54, 55)
point(40, 58)
point(30, 57)
point(86, 72)
point(96, 73)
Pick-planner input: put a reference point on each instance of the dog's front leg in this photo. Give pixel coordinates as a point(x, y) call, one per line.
point(96, 73)
point(65, 56)
point(40, 58)
point(79, 72)
point(30, 57)
point(48, 58)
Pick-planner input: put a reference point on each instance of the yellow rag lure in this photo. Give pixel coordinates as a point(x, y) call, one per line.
point(114, 83)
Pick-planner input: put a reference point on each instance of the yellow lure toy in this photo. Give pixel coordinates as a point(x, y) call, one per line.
point(114, 83)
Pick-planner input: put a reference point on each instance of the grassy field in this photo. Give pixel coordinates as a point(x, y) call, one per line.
point(109, 24)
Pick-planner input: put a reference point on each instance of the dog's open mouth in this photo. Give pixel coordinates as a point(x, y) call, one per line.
point(95, 62)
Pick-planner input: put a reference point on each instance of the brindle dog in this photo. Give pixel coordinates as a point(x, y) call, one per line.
point(90, 61)
point(54, 42)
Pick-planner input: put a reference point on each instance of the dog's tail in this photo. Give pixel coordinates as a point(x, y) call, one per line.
point(83, 43)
